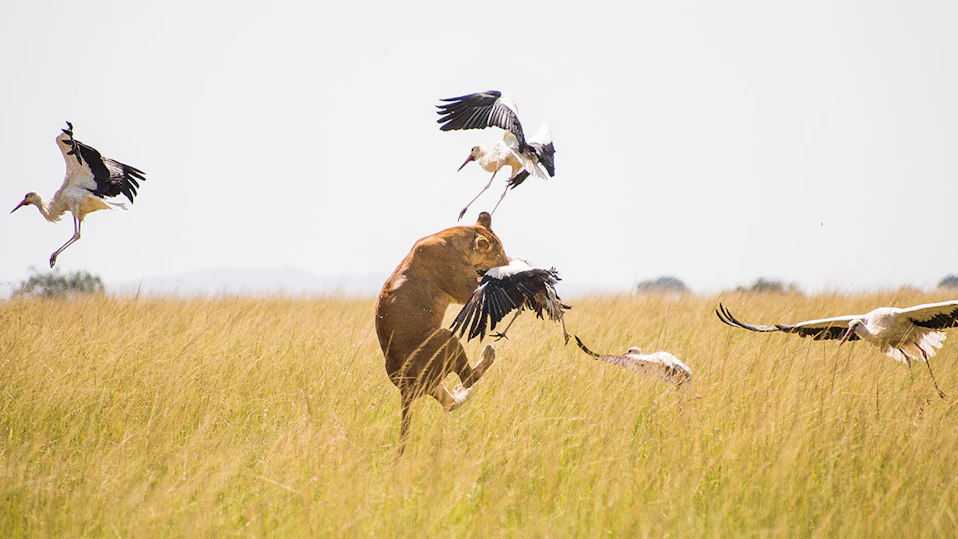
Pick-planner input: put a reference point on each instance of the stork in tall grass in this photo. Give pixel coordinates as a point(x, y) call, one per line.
point(906, 334)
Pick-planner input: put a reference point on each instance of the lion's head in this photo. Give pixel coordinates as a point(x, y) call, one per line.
point(487, 251)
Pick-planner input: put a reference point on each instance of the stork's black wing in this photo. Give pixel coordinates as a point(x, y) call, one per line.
point(492, 300)
point(545, 153)
point(479, 111)
point(819, 330)
point(498, 294)
point(545, 297)
point(112, 177)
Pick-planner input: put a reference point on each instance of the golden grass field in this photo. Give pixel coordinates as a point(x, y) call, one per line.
point(261, 417)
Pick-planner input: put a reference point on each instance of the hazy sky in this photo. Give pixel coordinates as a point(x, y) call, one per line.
point(718, 142)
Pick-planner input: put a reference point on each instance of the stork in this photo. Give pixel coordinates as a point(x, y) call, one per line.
point(905, 334)
point(503, 289)
point(535, 156)
point(89, 178)
point(661, 364)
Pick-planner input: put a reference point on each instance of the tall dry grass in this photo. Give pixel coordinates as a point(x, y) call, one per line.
point(275, 417)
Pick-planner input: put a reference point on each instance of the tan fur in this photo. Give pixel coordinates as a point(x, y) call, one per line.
point(441, 269)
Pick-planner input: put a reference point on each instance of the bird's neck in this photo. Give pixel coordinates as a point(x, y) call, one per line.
point(45, 210)
point(484, 154)
point(865, 333)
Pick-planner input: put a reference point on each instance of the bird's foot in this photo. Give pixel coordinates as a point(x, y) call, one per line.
point(463, 212)
point(498, 336)
point(567, 337)
point(53, 260)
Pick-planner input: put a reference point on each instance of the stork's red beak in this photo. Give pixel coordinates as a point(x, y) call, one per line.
point(466, 162)
point(20, 205)
point(847, 335)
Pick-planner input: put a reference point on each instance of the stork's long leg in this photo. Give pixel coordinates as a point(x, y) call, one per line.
point(463, 212)
point(928, 362)
point(502, 335)
point(908, 361)
point(500, 201)
point(76, 236)
point(564, 332)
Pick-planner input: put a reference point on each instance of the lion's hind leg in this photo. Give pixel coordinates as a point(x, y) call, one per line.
point(468, 376)
point(450, 357)
point(425, 369)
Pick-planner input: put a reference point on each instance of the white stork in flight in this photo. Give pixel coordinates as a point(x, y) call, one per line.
point(534, 156)
point(89, 178)
point(661, 364)
point(503, 289)
point(909, 334)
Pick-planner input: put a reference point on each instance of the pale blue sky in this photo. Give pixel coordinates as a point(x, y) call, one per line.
point(715, 141)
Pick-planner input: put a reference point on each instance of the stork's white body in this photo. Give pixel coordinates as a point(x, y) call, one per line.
point(77, 201)
point(499, 157)
point(662, 365)
point(666, 359)
point(506, 153)
point(896, 333)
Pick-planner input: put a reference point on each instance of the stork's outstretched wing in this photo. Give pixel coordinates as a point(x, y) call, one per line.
point(481, 110)
point(942, 315)
point(112, 177)
point(101, 176)
point(819, 330)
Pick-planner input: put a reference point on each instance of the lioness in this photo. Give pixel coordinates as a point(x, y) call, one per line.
point(440, 269)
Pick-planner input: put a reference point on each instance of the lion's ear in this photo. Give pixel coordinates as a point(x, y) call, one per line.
point(482, 243)
point(485, 220)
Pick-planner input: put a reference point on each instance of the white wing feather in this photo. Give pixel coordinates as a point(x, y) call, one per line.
point(543, 135)
point(927, 311)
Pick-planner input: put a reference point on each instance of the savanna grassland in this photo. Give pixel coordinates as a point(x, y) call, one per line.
point(208, 418)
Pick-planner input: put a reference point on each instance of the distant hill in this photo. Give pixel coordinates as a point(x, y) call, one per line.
point(662, 284)
point(249, 281)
